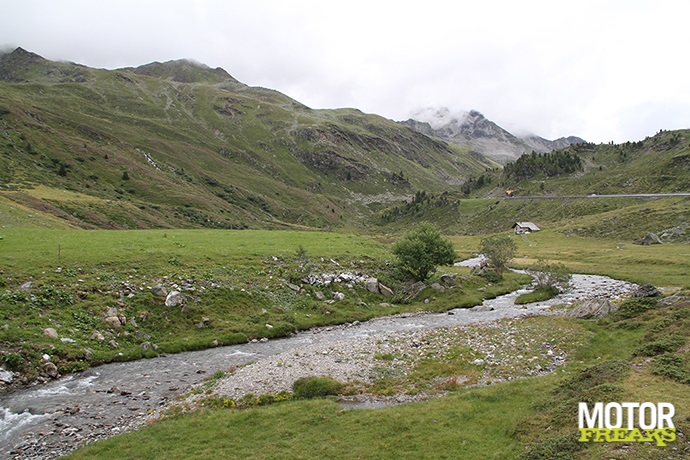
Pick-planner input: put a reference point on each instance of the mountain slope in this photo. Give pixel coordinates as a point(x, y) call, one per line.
point(475, 131)
point(178, 144)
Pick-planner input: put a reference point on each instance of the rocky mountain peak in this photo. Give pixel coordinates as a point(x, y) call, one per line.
point(474, 130)
point(184, 71)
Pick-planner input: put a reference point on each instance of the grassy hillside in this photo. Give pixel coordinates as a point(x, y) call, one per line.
point(656, 165)
point(180, 145)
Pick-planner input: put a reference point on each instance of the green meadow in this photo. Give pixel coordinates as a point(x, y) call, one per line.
point(240, 284)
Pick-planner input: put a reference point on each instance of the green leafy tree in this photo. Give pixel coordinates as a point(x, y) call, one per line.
point(499, 249)
point(421, 250)
point(553, 277)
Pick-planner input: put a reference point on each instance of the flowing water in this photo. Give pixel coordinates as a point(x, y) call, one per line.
point(49, 420)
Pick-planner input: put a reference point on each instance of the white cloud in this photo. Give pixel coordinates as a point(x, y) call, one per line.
point(603, 70)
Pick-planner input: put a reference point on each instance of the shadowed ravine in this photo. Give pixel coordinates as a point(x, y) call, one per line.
point(49, 420)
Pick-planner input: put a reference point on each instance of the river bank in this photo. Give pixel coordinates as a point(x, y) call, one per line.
point(50, 420)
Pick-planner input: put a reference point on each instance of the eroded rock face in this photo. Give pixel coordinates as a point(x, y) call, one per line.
point(592, 308)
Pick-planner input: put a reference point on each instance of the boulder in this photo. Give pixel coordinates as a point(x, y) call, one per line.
point(646, 291)
point(438, 287)
point(49, 369)
point(416, 288)
point(50, 332)
point(113, 321)
point(448, 280)
point(592, 308)
point(338, 296)
point(385, 290)
point(319, 295)
point(159, 290)
point(372, 285)
point(649, 238)
point(6, 376)
point(173, 299)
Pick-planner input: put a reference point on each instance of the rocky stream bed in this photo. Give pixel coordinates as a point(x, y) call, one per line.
point(50, 420)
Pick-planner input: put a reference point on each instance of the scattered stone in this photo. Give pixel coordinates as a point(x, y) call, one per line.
point(113, 344)
point(112, 311)
point(50, 332)
point(67, 340)
point(6, 376)
point(269, 326)
point(173, 299)
point(339, 296)
point(482, 308)
point(113, 321)
point(294, 287)
point(159, 291)
point(97, 336)
point(26, 286)
point(319, 295)
point(50, 369)
point(146, 345)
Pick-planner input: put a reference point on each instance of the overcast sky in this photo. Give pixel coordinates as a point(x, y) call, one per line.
point(602, 70)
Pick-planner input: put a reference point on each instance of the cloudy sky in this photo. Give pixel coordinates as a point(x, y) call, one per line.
point(602, 70)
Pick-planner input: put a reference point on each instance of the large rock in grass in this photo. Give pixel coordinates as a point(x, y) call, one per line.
point(385, 290)
point(173, 299)
point(592, 308)
point(50, 332)
point(646, 291)
point(372, 285)
point(649, 238)
point(113, 321)
point(159, 290)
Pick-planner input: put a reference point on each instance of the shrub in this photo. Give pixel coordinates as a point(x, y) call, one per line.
point(315, 387)
point(550, 276)
point(673, 367)
point(499, 249)
point(664, 344)
point(632, 308)
point(421, 250)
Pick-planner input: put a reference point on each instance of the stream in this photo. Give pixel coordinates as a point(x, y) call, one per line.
point(49, 420)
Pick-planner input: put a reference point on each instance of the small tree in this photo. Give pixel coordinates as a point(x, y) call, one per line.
point(499, 249)
point(550, 276)
point(421, 250)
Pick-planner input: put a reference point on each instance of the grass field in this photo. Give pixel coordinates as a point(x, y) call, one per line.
point(233, 284)
point(237, 281)
point(664, 265)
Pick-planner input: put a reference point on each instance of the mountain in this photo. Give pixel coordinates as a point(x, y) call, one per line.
point(179, 144)
point(473, 130)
